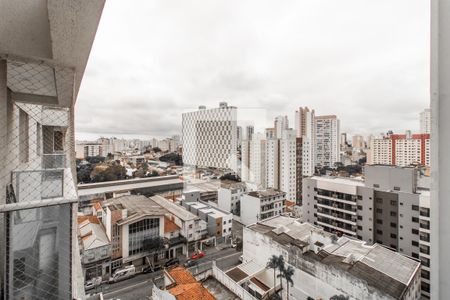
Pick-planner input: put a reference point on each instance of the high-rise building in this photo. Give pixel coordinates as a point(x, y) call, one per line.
point(287, 156)
point(250, 130)
point(281, 123)
point(44, 50)
point(239, 136)
point(425, 121)
point(327, 140)
point(273, 163)
point(306, 130)
point(343, 141)
point(210, 137)
point(400, 150)
point(258, 159)
point(390, 207)
point(358, 142)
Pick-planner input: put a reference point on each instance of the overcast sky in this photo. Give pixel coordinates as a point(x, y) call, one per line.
point(365, 61)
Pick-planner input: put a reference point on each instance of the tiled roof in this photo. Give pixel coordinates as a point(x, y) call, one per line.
point(170, 226)
point(187, 288)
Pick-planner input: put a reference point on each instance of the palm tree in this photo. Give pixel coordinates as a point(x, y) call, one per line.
point(273, 264)
point(281, 268)
point(288, 274)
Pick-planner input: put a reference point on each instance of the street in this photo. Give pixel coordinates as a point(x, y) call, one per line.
point(140, 286)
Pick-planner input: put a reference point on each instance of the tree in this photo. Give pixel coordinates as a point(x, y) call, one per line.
point(288, 274)
point(273, 264)
point(281, 268)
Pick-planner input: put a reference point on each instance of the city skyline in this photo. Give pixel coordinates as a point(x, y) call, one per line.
point(360, 70)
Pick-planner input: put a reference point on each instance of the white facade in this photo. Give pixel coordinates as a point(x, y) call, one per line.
point(425, 121)
point(326, 266)
point(229, 196)
point(273, 163)
point(327, 150)
point(257, 165)
point(400, 150)
point(281, 124)
point(358, 142)
point(261, 204)
point(306, 128)
point(210, 137)
point(288, 164)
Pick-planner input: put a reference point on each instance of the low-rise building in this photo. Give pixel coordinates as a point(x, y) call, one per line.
point(219, 222)
point(262, 204)
point(95, 247)
point(135, 227)
point(229, 196)
point(192, 227)
point(325, 265)
point(181, 285)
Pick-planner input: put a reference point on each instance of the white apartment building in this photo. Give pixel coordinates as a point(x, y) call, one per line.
point(425, 121)
point(306, 130)
point(327, 143)
point(324, 265)
point(43, 54)
point(288, 164)
point(257, 157)
point(84, 150)
point(281, 123)
point(210, 137)
point(229, 196)
point(273, 163)
point(400, 150)
point(261, 204)
point(425, 242)
point(385, 208)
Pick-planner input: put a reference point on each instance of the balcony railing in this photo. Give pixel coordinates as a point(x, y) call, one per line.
point(36, 185)
point(54, 161)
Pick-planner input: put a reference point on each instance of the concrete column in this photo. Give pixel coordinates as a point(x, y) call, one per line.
point(440, 146)
point(3, 175)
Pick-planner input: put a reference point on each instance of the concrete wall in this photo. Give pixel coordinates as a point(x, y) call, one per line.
point(250, 209)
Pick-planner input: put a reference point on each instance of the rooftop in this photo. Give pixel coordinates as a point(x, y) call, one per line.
point(92, 232)
point(341, 180)
point(170, 226)
point(379, 266)
point(266, 193)
point(177, 210)
point(138, 207)
point(230, 184)
point(186, 287)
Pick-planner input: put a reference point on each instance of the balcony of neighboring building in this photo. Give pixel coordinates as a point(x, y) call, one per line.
point(334, 225)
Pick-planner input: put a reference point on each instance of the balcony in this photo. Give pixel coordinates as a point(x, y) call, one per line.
point(54, 161)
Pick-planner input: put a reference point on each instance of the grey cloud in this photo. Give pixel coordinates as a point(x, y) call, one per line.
point(365, 61)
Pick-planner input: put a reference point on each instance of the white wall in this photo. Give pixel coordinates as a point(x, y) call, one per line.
point(250, 208)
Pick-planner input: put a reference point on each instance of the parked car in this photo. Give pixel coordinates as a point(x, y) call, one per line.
point(124, 273)
point(190, 263)
point(197, 255)
point(172, 262)
point(94, 282)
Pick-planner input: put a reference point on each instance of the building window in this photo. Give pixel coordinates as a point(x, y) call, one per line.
point(414, 231)
point(393, 235)
point(375, 185)
point(143, 236)
point(396, 188)
point(415, 243)
point(415, 219)
point(393, 203)
point(380, 232)
point(379, 221)
point(415, 207)
point(393, 214)
point(379, 211)
point(360, 218)
point(393, 225)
